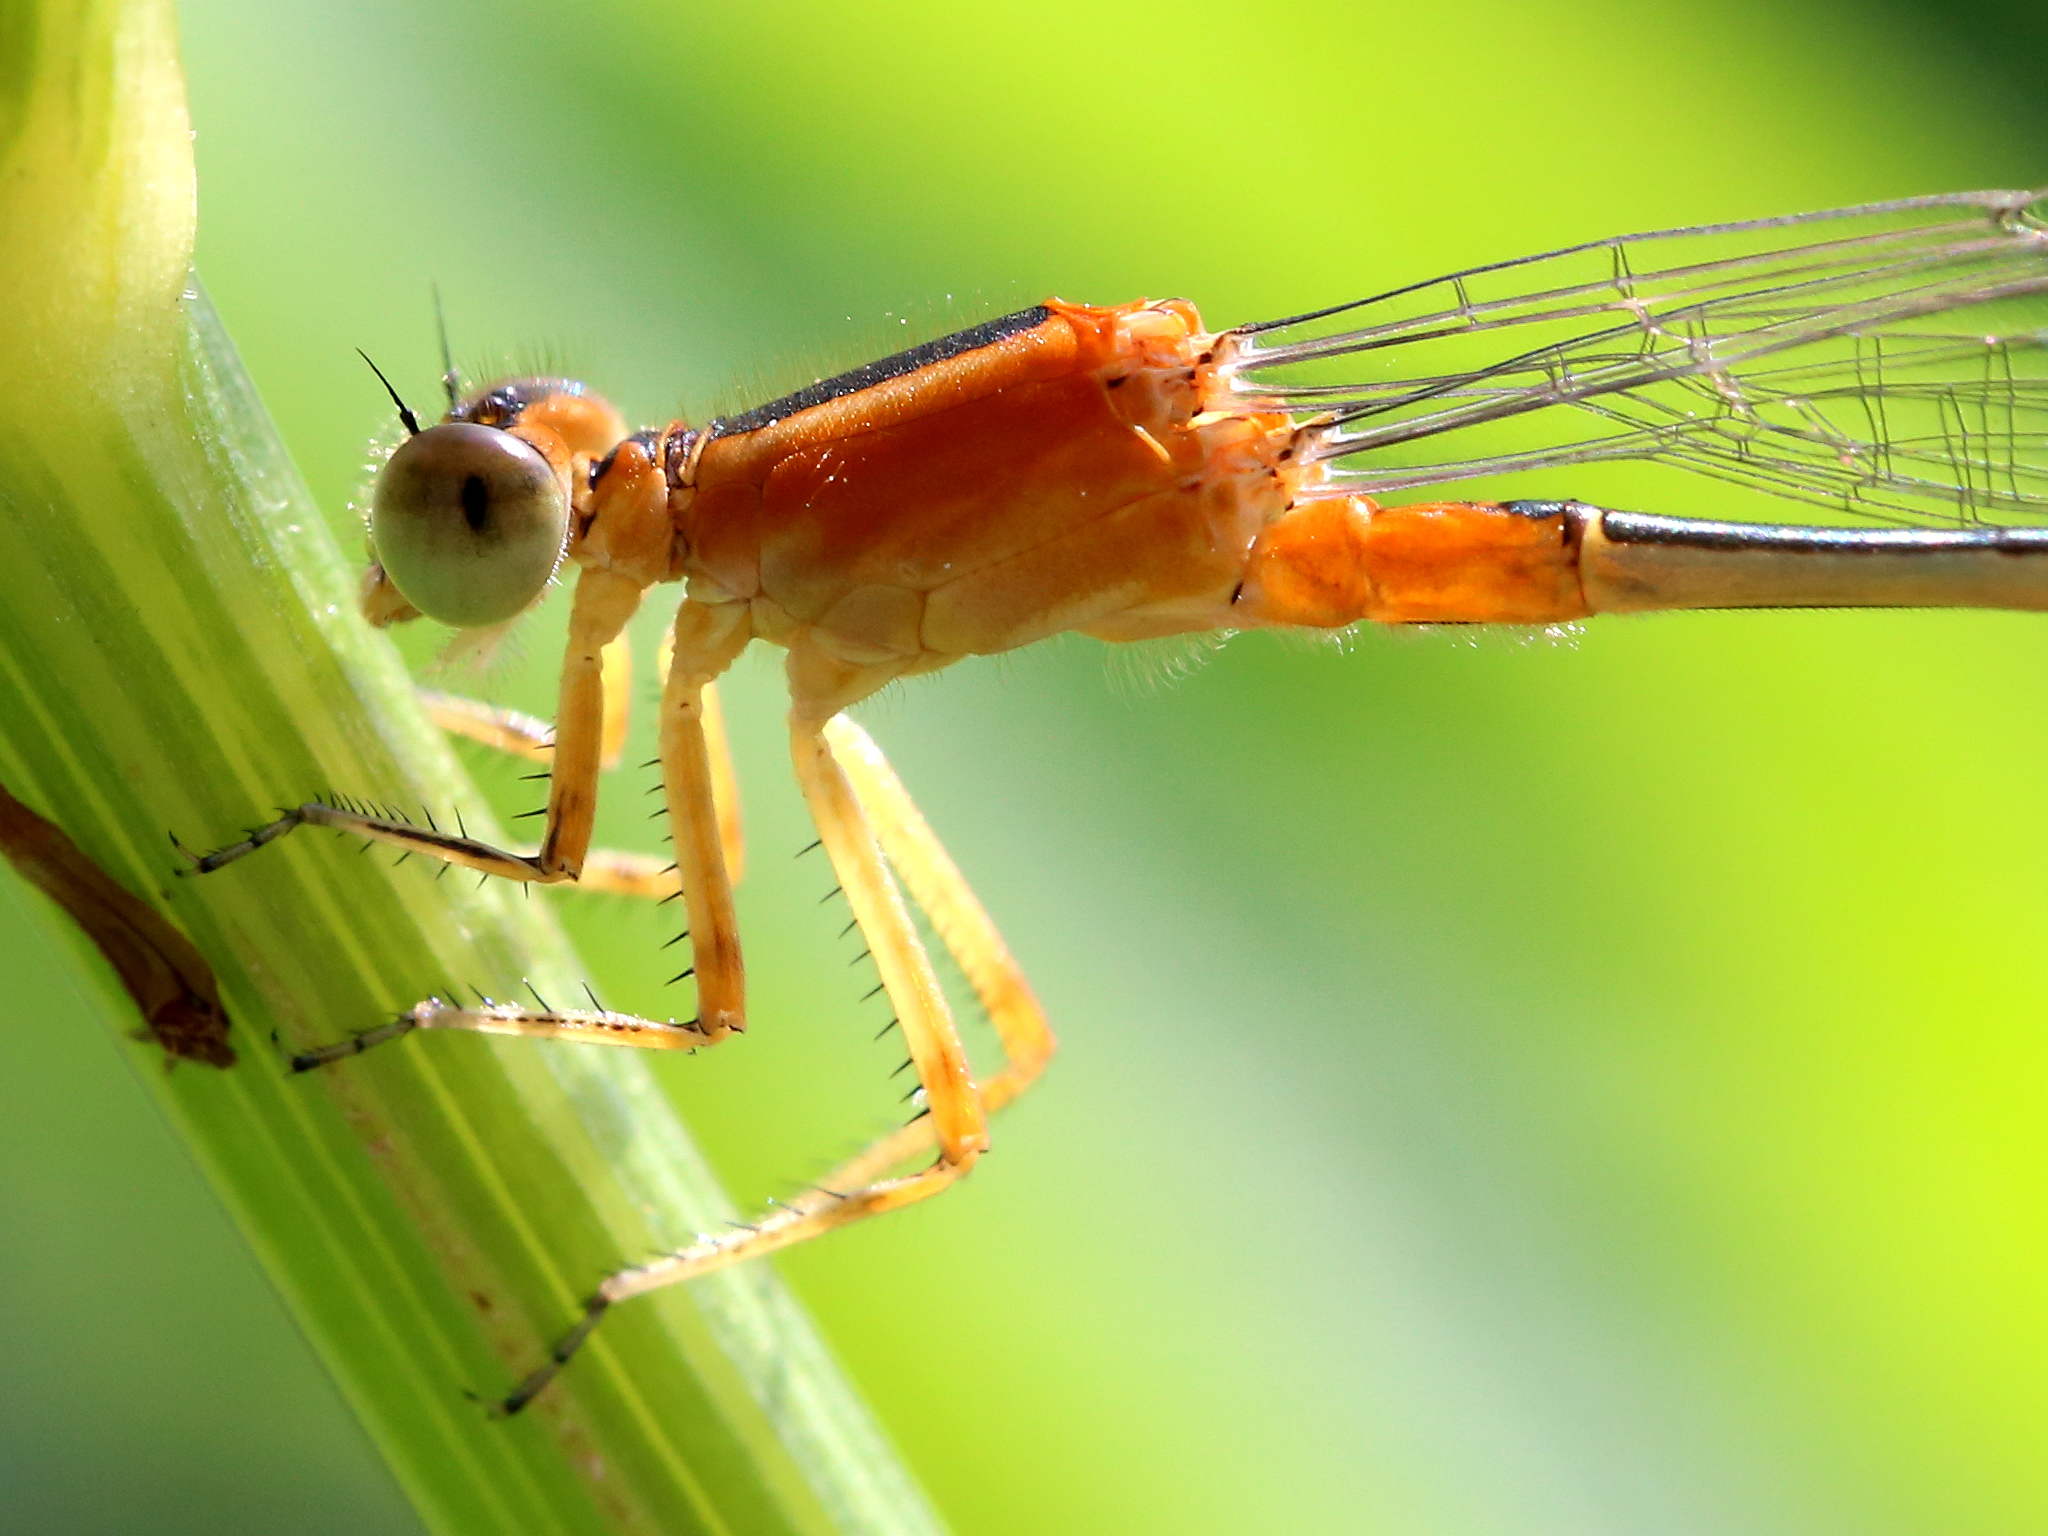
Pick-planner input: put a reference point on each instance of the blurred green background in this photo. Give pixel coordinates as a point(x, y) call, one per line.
point(1508, 1087)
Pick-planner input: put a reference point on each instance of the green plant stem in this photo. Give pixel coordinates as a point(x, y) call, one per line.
point(179, 652)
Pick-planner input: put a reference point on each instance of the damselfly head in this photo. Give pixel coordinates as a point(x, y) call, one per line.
point(469, 519)
point(469, 522)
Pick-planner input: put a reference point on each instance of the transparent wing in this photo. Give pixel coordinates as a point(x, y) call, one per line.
point(1887, 361)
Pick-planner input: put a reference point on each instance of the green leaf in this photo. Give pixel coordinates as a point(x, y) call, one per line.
point(179, 653)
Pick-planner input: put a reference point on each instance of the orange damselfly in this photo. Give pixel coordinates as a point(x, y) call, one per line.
point(1124, 472)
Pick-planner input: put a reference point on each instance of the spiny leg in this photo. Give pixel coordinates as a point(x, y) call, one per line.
point(959, 919)
point(512, 731)
point(707, 638)
point(725, 784)
point(529, 736)
point(862, 810)
point(604, 602)
point(620, 873)
point(385, 826)
point(715, 636)
point(592, 1026)
point(611, 871)
point(970, 937)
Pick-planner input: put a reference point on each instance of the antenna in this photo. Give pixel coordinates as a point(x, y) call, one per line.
point(412, 422)
point(451, 381)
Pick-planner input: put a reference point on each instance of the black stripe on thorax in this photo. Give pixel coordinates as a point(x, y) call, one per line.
point(988, 333)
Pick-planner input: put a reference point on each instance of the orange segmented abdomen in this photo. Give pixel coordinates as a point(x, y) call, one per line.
point(1336, 562)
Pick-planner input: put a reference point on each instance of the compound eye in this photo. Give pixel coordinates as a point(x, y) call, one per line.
point(469, 523)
